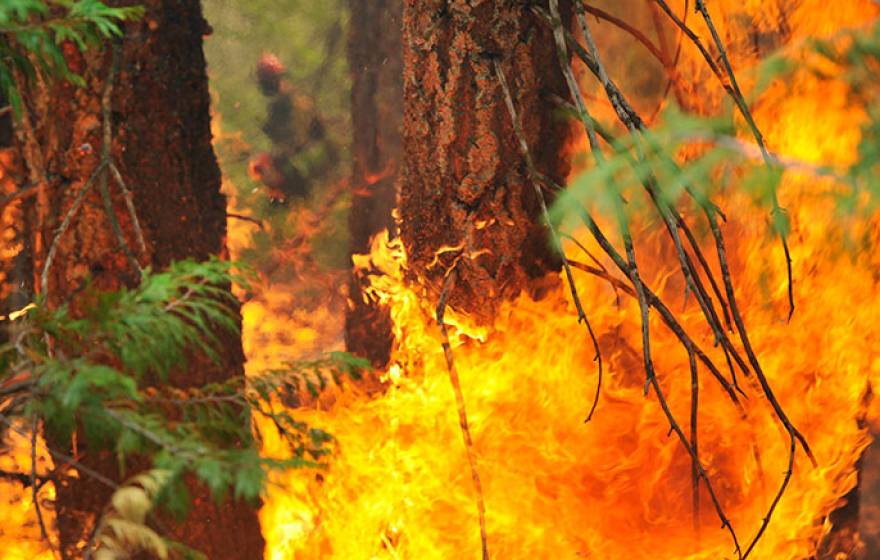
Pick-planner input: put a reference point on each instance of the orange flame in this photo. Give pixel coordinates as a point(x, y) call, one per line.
point(618, 487)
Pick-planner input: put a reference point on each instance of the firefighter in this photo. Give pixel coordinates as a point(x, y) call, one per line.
point(302, 153)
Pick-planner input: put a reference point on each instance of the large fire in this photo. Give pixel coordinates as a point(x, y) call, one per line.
point(618, 486)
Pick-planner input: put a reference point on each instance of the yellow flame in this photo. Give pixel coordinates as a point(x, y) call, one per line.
point(618, 487)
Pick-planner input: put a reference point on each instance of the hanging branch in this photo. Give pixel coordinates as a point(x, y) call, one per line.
point(536, 183)
point(674, 426)
point(633, 122)
point(650, 184)
point(672, 67)
point(625, 114)
point(628, 267)
point(634, 32)
point(460, 406)
point(695, 472)
point(733, 90)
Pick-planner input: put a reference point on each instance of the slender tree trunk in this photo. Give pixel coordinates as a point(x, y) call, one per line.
point(464, 191)
point(376, 62)
point(161, 143)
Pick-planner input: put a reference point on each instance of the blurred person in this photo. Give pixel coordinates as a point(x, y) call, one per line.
point(302, 153)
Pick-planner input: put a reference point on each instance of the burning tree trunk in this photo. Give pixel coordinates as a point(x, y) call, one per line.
point(465, 193)
point(375, 59)
point(141, 123)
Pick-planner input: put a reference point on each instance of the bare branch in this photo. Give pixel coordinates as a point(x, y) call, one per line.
point(536, 183)
point(34, 488)
point(460, 406)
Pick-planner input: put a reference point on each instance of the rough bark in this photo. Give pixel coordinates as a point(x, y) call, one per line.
point(162, 146)
point(464, 183)
point(376, 64)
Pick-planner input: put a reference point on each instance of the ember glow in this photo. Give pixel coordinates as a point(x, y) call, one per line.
point(619, 486)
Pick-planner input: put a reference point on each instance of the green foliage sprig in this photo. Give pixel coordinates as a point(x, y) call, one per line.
point(101, 368)
point(32, 33)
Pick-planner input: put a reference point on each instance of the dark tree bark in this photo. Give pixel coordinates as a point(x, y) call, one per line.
point(161, 143)
point(464, 183)
point(376, 64)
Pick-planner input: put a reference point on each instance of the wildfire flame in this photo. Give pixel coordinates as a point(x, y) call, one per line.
point(618, 487)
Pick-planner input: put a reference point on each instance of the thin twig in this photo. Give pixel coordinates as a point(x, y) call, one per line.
point(786, 478)
point(695, 472)
point(634, 32)
point(65, 225)
point(242, 217)
point(759, 138)
point(731, 86)
point(616, 283)
point(34, 489)
point(574, 89)
point(626, 115)
point(462, 411)
point(725, 522)
point(129, 204)
point(107, 162)
point(536, 183)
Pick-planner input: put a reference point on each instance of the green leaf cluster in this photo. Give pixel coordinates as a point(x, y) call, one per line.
point(33, 32)
point(114, 367)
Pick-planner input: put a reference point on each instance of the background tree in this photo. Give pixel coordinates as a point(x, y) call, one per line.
point(375, 57)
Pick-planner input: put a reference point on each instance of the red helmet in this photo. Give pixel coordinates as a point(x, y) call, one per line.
point(270, 70)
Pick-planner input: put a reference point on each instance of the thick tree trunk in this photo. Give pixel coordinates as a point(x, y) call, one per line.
point(464, 190)
point(376, 62)
point(161, 143)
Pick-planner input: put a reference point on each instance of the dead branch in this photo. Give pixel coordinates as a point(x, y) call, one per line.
point(615, 97)
point(34, 489)
point(617, 22)
point(534, 177)
point(65, 225)
point(107, 161)
point(258, 223)
point(460, 406)
point(695, 471)
point(615, 283)
point(731, 86)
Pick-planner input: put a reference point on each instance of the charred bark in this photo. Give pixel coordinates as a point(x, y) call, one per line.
point(464, 193)
point(161, 144)
point(376, 65)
